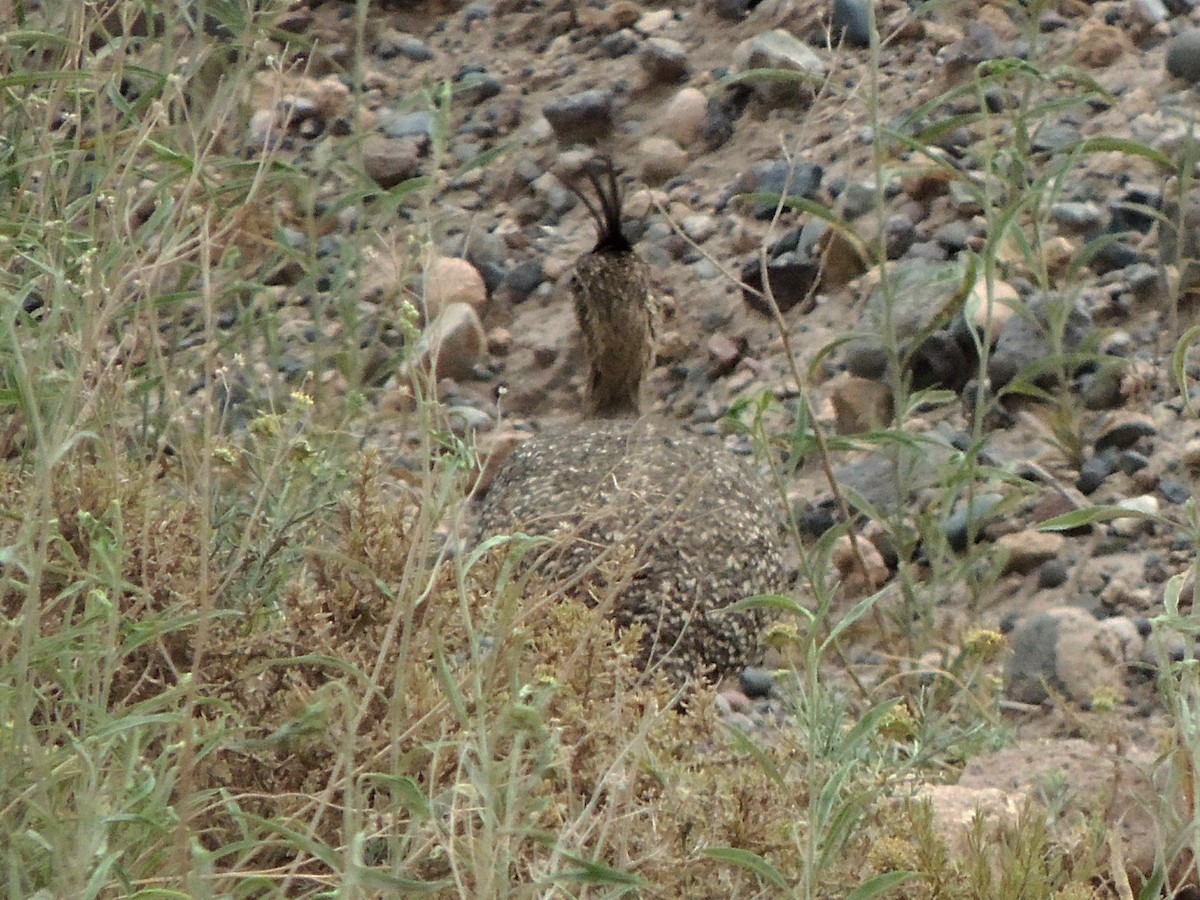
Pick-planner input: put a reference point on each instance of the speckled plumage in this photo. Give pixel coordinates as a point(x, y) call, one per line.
point(667, 527)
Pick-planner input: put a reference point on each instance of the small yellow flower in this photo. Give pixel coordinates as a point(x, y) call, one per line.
point(983, 644)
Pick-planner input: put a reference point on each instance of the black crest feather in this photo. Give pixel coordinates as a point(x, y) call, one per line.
point(606, 211)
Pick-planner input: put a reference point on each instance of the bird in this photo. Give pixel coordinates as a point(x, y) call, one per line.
point(664, 527)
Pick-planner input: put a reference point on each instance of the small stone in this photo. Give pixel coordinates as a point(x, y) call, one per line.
point(1102, 389)
point(1052, 573)
point(1027, 550)
point(1093, 473)
point(1174, 491)
point(1100, 44)
point(1145, 505)
point(780, 49)
point(417, 124)
point(851, 19)
point(732, 702)
point(663, 60)
point(453, 342)
point(733, 10)
point(866, 360)
point(1064, 651)
point(860, 405)
point(662, 159)
point(756, 682)
point(1191, 454)
point(477, 87)
point(451, 280)
point(1183, 55)
point(1123, 432)
point(968, 520)
point(523, 279)
point(654, 20)
point(684, 116)
point(1079, 217)
point(499, 341)
point(1131, 461)
point(723, 353)
point(388, 161)
point(699, 227)
point(583, 117)
point(856, 582)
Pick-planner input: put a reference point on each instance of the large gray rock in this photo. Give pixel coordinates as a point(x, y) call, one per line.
point(783, 51)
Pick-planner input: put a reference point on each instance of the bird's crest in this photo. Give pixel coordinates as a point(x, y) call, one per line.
point(606, 210)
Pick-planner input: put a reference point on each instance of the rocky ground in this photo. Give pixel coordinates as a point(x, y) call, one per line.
point(1088, 299)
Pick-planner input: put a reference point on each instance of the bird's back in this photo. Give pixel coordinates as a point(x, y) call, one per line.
point(667, 527)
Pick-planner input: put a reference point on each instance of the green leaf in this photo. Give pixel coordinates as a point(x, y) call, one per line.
point(747, 744)
point(591, 872)
point(873, 887)
point(751, 861)
point(1092, 515)
point(1123, 145)
point(778, 602)
point(1179, 364)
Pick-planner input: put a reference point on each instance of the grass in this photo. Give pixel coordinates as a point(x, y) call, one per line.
point(237, 655)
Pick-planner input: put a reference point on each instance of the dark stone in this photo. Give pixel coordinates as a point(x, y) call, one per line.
point(939, 362)
point(1135, 211)
point(851, 20)
point(1052, 574)
point(899, 235)
point(473, 88)
point(773, 177)
point(619, 43)
point(1131, 461)
point(1024, 342)
point(1124, 435)
point(1183, 55)
point(418, 124)
point(1174, 491)
point(582, 117)
point(969, 516)
point(954, 236)
point(734, 10)
point(1056, 137)
point(1114, 256)
point(866, 360)
point(1093, 473)
point(523, 279)
point(755, 682)
point(791, 282)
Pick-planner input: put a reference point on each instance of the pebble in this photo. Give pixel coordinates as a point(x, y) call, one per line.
point(699, 227)
point(453, 342)
point(1029, 549)
point(1093, 473)
point(969, 519)
point(449, 280)
point(662, 159)
point(663, 60)
point(1068, 651)
point(389, 161)
point(1183, 55)
point(583, 117)
point(851, 19)
point(683, 117)
point(756, 682)
point(1123, 432)
point(418, 124)
point(780, 49)
point(1051, 574)
point(1025, 341)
